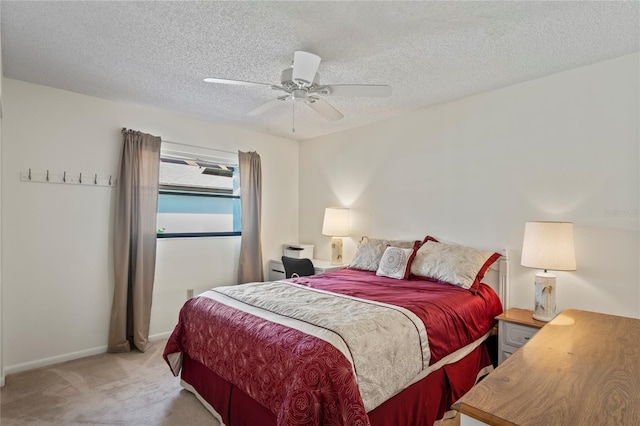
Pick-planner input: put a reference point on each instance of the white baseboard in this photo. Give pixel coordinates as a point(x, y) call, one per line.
point(12, 369)
point(45, 362)
point(160, 336)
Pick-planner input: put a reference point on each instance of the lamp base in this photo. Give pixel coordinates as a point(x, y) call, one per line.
point(336, 251)
point(545, 305)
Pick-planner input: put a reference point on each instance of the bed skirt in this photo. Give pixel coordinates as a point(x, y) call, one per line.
point(421, 404)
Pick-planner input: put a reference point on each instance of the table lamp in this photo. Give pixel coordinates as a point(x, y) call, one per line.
point(336, 225)
point(547, 246)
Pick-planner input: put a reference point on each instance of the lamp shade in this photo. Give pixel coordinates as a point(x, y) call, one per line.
point(336, 222)
point(549, 245)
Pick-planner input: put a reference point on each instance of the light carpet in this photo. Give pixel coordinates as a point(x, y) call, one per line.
point(109, 389)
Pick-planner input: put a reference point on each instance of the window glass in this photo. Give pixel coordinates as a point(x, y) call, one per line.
point(198, 197)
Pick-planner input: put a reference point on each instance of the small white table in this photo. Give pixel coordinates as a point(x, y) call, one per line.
point(276, 269)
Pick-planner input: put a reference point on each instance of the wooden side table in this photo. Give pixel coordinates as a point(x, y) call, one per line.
point(515, 328)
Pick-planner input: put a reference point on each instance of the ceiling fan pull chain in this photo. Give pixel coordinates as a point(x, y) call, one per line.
point(293, 117)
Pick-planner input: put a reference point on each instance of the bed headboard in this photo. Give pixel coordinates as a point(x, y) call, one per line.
point(498, 278)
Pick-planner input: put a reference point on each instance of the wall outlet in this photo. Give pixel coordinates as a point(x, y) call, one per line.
point(189, 293)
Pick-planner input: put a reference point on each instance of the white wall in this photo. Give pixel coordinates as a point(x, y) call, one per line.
point(57, 262)
point(564, 147)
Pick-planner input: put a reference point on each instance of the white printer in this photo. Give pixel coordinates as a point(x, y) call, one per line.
point(299, 251)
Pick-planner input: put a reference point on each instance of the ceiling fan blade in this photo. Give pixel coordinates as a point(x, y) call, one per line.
point(267, 106)
point(234, 82)
point(305, 67)
point(375, 90)
point(324, 109)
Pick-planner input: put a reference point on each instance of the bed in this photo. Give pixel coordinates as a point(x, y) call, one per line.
point(348, 347)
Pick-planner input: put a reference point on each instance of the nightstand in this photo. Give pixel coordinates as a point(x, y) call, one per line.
point(276, 270)
point(515, 328)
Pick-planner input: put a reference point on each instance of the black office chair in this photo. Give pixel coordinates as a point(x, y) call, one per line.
point(297, 267)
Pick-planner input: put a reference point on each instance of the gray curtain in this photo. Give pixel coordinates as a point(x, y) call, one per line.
point(250, 265)
point(134, 241)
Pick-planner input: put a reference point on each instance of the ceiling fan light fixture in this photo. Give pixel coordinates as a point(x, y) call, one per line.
point(299, 95)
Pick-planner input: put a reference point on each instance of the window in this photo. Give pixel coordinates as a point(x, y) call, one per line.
point(199, 193)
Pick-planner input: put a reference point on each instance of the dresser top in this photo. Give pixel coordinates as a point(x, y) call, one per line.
point(581, 368)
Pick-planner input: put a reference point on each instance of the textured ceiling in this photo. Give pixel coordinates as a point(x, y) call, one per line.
point(157, 53)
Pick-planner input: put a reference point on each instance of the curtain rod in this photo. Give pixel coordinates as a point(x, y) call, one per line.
point(198, 146)
point(124, 130)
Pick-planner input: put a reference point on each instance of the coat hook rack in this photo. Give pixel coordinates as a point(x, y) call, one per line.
point(69, 178)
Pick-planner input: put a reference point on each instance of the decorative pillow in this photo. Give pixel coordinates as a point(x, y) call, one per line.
point(396, 262)
point(484, 268)
point(482, 271)
point(451, 263)
point(371, 250)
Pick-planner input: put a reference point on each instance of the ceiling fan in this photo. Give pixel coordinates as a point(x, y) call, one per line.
point(301, 82)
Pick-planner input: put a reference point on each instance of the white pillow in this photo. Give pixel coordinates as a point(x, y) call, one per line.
point(371, 250)
point(395, 263)
point(451, 263)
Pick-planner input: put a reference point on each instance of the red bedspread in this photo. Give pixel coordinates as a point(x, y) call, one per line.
point(302, 379)
point(453, 316)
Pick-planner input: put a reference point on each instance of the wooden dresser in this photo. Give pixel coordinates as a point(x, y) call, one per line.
point(582, 368)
